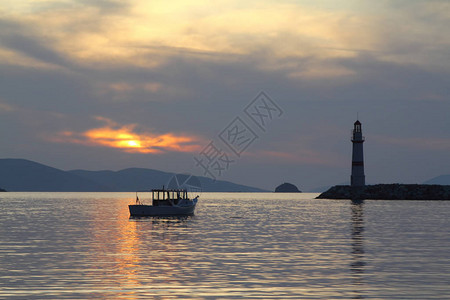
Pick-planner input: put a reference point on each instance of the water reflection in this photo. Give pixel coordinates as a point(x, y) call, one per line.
point(357, 264)
point(165, 229)
point(138, 254)
point(115, 247)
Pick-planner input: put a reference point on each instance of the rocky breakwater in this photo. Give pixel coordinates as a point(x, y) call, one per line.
point(389, 192)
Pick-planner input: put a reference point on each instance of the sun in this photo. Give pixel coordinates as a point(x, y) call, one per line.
point(134, 144)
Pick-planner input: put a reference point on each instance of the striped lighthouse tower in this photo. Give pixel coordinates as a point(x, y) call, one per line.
point(358, 178)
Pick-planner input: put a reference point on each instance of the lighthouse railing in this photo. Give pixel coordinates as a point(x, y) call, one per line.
point(352, 137)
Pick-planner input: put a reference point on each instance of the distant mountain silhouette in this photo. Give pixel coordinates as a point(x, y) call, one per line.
point(136, 179)
point(210, 185)
point(132, 179)
point(322, 189)
point(442, 180)
point(319, 189)
point(26, 175)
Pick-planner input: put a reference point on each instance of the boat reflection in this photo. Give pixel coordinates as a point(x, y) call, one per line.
point(357, 265)
point(162, 219)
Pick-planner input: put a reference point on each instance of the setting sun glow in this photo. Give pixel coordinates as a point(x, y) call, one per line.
point(134, 144)
point(125, 138)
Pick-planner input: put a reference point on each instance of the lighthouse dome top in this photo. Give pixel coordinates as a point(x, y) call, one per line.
point(357, 122)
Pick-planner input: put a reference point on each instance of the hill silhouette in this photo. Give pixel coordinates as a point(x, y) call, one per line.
point(132, 179)
point(442, 180)
point(135, 179)
point(25, 175)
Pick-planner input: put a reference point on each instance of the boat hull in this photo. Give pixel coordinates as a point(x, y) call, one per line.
point(140, 210)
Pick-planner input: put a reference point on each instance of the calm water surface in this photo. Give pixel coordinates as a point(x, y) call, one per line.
point(238, 245)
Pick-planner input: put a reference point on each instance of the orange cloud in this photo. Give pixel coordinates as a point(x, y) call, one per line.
point(4, 107)
point(431, 143)
point(127, 139)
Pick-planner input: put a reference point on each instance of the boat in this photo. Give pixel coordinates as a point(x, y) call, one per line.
point(165, 202)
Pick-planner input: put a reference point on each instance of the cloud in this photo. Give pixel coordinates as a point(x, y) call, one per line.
point(127, 138)
point(33, 48)
point(142, 33)
point(301, 40)
point(4, 107)
point(421, 143)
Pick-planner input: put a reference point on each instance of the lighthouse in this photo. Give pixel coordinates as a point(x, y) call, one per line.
point(357, 178)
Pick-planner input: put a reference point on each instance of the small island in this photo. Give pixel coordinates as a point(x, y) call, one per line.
point(394, 191)
point(2, 190)
point(287, 188)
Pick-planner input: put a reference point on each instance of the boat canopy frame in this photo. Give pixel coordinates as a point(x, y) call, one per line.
point(172, 196)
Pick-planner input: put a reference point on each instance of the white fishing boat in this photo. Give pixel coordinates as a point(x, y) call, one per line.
point(165, 203)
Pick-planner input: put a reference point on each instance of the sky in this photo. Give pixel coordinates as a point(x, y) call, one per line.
point(183, 86)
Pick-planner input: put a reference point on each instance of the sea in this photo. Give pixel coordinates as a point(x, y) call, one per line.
point(236, 246)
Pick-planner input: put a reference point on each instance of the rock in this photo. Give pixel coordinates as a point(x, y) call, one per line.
point(389, 192)
point(287, 188)
point(2, 190)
